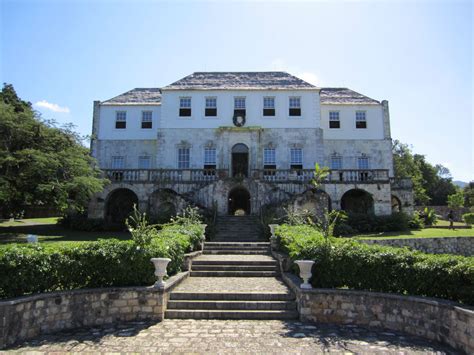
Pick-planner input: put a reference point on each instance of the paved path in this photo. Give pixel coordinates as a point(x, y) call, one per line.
point(237, 337)
point(232, 284)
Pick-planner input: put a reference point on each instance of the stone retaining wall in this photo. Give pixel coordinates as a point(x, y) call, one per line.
point(447, 245)
point(27, 317)
point(432, 319)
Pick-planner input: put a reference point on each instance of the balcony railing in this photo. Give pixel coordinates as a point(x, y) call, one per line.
point(270, 175)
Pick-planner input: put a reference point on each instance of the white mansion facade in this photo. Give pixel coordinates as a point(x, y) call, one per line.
point(244, 140)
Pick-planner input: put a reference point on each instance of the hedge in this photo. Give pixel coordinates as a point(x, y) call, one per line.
point(27, 268)
point(350, 264)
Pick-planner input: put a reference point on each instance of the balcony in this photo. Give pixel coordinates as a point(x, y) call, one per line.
point(270, 175)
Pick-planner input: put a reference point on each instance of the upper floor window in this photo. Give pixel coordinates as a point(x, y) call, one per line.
point(334, 121)
point(121, 119)
point(210, 158)
point(118, 162)
point(269, 106)
point(185, 106)
point(147, 119)
point(183, 158)
point(361, 120)
point(295, 106)
point(239, 106)
point(144, 162)
point(296, 158)
point(211, 107)
point(363, 163)
point(336, 163)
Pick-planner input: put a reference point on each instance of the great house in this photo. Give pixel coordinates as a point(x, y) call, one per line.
point(245, 141)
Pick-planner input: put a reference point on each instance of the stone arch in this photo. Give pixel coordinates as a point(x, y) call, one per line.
point(315, 201)
point(396, 204)
point(239, 200)
point(163, 205)
point(119, 205)
point(357, 201)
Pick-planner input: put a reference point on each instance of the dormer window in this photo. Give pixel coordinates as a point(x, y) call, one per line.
point(185, 107)
point(334, 121)
point(120, 119)
point(361, 120)
point(295, 106)
point(211, 107)
point(269, 106)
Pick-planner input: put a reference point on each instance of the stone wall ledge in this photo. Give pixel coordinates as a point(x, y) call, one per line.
point(430, 318)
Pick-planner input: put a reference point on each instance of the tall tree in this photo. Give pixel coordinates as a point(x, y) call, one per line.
point(40, 164)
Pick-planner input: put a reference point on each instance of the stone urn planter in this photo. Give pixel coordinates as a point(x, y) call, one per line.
point(160, 270)
point(273, 238)
point(305, 272)
point(32, 238)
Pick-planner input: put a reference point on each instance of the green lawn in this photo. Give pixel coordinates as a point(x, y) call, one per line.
point(442, 222)
point(423, 233)
point(48, 231)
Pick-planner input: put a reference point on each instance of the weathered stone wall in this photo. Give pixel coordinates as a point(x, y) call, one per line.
point(27, 317)
point(436, 320)
point(447, 245)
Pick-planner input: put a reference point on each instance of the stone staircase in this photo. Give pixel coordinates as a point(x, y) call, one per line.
point(235, 278)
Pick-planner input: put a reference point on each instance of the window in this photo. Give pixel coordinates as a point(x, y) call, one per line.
point(361, 121)
point(334, 119)
point(296, 158)
point(269, 158)
point(295, 106)
point(336, 163)
point(144, 162)
point(184, 106)
point(363, 163)
point(209, 158)
point(239, 106)
point(147, 119)
point(121, 119)
point(269, 106)
point(211, 107)
point(118, 162)
point(183, 158)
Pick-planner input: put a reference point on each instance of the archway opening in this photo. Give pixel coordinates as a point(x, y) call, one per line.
point(239, 201)
point(396, 204)
point(357, 201)
point(240, 160)
point(120, 205)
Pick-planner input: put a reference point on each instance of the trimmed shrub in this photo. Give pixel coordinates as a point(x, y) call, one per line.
point(26, 269)
point(348, 263)
point(352, 223)
point(468, 218)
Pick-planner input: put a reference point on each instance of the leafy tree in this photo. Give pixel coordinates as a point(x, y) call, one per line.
point(456, 200)
point(41, 164)
point(469, 195)
point(320, 174)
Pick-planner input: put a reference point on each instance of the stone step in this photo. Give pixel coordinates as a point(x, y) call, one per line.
point(206, 247)
point(225, 267)
point(225, 273)
point(266, 244)
point(234, 262)
point(232, 305)
point(243, 252)
point(229, 314)
point(232, 296)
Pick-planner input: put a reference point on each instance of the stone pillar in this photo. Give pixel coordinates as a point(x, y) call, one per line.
point(386, 120)
point(95, 129)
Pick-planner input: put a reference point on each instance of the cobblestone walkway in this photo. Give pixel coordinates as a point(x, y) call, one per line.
point(237, 337)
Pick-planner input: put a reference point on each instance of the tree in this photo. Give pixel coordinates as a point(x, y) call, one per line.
point(456, 200)
point(41, 164)
point(469, 195)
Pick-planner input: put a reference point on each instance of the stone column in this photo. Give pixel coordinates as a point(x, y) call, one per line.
point(95, 129)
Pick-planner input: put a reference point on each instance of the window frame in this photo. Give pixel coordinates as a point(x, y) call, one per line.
point(206, 156)
point(362, 158)
point(120, 121)
point(185, 110)
point(336, 158)
point(117, 158)
point(188, 155)
point(210, 111)
point(294, 111)
point(296, 164)
point(142, 158)
point(267, 110)
point(269, 152)
point(335, 121)
point(359, 122)
point(148, 122)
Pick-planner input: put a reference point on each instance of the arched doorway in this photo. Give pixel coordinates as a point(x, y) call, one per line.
point(239, 200)
point(120, 205)
point(396, 204)
point(357, 201)
point(240, 160)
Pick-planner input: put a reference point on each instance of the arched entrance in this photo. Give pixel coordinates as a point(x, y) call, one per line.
point(396, 204)
point(120, 205)
point(357, 201)
point(239, 200)
point(240, 160)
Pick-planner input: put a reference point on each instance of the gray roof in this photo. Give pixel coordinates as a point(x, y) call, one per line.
point(274, 80)
point(344, 96)
point(138, 95)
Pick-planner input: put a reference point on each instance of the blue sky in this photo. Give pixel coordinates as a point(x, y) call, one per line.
point(62, 55)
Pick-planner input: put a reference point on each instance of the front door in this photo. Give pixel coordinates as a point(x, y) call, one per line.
point(240, 160)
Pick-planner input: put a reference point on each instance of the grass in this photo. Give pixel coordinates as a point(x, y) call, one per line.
point(48, 231)
point(442, 222)
point(423, 233)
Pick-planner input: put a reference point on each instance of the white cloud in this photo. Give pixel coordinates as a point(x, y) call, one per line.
point(52, 107)
point(279, 64)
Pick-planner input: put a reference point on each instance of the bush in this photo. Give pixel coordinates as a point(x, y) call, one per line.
point(26, 269)
point(352, 223)
point(351, 264)
point(468, 218)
